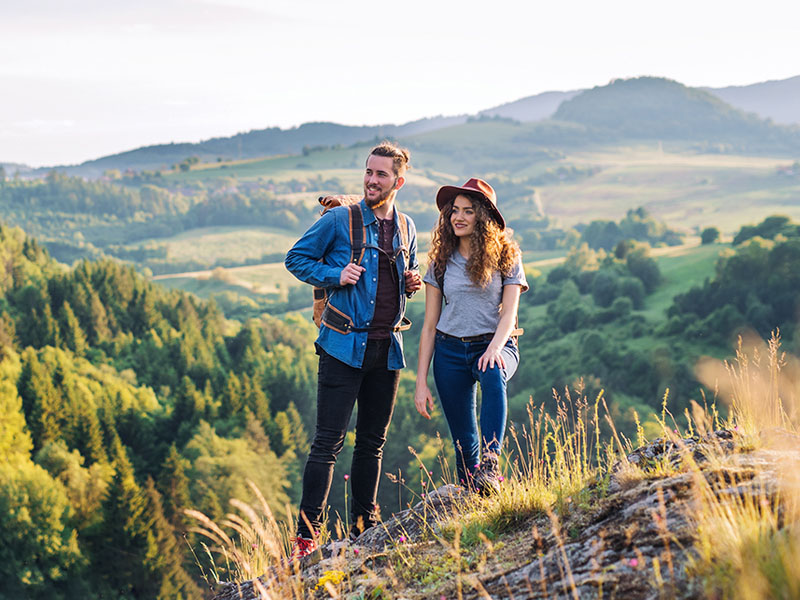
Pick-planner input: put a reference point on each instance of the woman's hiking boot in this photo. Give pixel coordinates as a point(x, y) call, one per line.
point(487, 476)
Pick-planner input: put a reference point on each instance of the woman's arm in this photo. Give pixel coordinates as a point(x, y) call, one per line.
point(508, 316)
point(423, 399)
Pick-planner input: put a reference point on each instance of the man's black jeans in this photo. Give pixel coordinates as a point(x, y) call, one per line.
point(338, 386)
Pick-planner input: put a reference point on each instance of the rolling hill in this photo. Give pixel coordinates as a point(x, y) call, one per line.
point(642, 108)
point(776, 100)
point(655, 108)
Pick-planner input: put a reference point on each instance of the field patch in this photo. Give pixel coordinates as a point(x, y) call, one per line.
point(210, 244)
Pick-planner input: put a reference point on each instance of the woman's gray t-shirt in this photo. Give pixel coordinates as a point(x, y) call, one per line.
point(471, 309)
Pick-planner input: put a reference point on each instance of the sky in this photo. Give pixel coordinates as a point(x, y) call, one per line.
point(88, 78)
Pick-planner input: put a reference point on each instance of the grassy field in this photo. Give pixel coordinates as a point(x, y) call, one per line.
point(267, 279)
point(686, 190)
point(208, 244)
point(683, 188)
point(681, 269)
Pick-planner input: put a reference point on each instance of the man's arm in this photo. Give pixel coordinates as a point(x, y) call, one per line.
point(304, 258)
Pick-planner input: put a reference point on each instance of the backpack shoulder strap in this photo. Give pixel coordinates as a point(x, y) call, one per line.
point(357, 233)
point(403, 220)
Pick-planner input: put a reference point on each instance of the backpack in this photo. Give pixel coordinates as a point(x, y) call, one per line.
point(438, 274)
point(358, 234)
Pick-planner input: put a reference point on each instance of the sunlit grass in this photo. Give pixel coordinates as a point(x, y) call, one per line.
point(747, 540)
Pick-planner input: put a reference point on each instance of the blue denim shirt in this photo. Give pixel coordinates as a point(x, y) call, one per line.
point(319, 257)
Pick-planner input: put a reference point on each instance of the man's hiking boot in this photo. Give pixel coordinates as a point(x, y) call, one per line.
point(487, 476)
point(302, 547)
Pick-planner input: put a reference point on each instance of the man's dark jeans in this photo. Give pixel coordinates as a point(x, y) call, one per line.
point(338, 386)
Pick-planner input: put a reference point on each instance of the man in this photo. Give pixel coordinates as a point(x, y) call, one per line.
point(359, 345)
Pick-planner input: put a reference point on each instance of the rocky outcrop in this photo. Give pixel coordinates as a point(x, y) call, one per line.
point(632, 541)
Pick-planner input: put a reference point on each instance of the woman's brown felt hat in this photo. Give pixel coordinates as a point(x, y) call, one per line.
point(479, 187)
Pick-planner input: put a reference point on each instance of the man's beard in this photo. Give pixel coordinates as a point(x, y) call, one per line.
point(374, 203)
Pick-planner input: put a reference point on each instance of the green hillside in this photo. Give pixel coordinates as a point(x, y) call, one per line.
point(661, 109)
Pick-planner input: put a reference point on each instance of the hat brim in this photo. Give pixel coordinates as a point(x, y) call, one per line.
point(448, 193)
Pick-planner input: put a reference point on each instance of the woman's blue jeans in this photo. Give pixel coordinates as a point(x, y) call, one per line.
point(456, 373)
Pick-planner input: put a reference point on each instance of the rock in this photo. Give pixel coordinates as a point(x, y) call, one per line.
point(634, 541)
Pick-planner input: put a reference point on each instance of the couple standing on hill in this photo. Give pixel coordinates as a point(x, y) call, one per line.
point(475, 268)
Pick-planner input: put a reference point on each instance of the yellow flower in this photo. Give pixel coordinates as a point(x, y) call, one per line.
point(332, 577)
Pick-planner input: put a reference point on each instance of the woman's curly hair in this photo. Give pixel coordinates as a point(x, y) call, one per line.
point(491, 248)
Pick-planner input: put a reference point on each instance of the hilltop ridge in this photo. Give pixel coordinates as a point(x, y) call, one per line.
point(726, 107)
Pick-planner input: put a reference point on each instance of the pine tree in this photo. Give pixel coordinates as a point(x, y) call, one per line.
point(120, 545)
point(165, 577)
point(232, 403)
point(71, 332)
point(174, 487)
point(41, 400)
point(88, 436)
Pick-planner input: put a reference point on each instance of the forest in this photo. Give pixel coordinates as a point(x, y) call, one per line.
point(124, 403)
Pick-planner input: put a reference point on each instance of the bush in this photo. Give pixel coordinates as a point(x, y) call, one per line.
point(604, 288)
point(632, 288)
point(709, 235)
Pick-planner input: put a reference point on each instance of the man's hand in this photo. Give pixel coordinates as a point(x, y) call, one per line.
point(413, 281)
point(351, 274)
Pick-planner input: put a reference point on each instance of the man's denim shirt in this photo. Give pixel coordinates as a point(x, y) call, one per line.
point(319, 257)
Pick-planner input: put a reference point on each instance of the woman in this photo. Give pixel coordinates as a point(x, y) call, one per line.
point(476, 268)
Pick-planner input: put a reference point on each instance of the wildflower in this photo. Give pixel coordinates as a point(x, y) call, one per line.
point(634, 562)
point(501, 478)
point(333, 577)
point(346, 477)
point(430, 473)
point(423, 495)
point(402, 539)
point(424, 483)
point(355, 551)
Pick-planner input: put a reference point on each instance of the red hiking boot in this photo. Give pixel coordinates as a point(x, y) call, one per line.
point(302, 547)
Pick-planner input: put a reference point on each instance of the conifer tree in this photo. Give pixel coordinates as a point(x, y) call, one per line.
point(71, 332)
point(40, 399)
point(165, 577)
point(120, 546)
point(174, 487)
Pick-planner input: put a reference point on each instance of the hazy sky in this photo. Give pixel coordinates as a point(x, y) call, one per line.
point(86, 78)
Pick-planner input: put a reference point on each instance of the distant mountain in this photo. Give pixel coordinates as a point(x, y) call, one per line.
point(776, 100)
point(656, 108)
point(645, 107)
point(11, 169)
point(532, 108)
point(263, 142)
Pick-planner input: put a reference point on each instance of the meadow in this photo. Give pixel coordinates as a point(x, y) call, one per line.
point(210, 244)
point(676, 184)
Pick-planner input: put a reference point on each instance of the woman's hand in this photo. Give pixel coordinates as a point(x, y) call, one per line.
point(423, 400)
point(493, 356)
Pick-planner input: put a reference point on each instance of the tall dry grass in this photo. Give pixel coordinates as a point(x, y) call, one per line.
point(747, 540)
point(748, 530)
